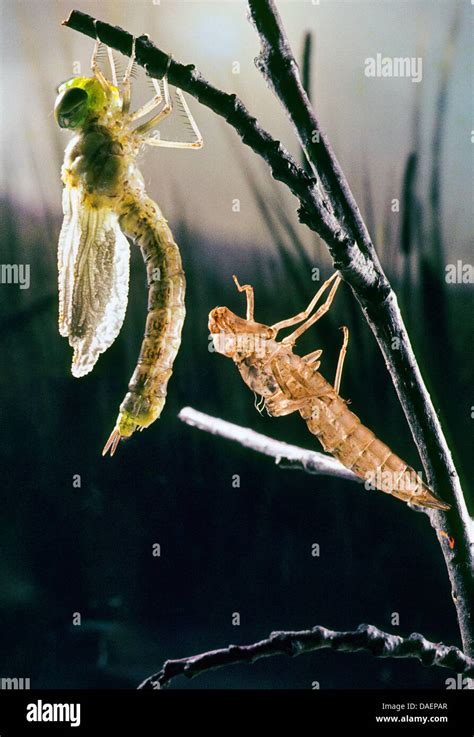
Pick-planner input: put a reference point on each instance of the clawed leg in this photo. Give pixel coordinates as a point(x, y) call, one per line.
point(151, 105)
point(293, 337)
point(306, 313)
point(182, 105)
point(250, 297)
point(96, 71)
point(340, 361)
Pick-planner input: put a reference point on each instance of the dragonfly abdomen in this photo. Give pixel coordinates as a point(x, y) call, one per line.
point(342, 434)
point(144, 223)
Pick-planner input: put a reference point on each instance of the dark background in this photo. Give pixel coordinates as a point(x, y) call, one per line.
point(223, 549)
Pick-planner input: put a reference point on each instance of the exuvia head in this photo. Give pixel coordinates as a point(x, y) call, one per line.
point(79, 99)
point(233, 335)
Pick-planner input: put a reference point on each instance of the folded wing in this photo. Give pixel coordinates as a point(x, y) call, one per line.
point(93, 265)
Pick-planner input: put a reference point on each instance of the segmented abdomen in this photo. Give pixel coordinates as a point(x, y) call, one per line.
point(342, 434)
point(143, 222)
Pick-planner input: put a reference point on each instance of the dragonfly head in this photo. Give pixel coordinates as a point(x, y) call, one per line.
point(79, 99)
point(235, 337)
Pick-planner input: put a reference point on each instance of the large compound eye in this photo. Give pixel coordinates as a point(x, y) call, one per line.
point(71, 107)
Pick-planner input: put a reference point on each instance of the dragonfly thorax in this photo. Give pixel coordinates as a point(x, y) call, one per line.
point(96, 160)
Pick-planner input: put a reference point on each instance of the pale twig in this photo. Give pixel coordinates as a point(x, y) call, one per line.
point(285, 455)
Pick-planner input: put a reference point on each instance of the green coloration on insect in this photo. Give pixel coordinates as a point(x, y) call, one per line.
point(104, 200)
point(80, 98)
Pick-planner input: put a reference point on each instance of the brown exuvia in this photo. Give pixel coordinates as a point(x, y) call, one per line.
point(289, 383)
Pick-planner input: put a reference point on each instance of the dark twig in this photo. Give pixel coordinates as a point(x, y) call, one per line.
point(366, 638)
point(328, 208)
point(380, 308)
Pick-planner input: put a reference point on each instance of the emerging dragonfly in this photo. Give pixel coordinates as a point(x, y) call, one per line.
point(104, 200)
point(289, 383)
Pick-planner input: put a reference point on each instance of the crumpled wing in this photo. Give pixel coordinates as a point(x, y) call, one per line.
point(93, 265)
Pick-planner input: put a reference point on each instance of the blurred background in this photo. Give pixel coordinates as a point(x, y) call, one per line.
point(407, 152)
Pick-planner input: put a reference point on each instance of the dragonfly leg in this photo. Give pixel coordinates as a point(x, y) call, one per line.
point(293, 337)
point(126, 84)
point(250, 297)
point(104, 83)
point(197, 142)
point(306, 313)
point(156, 119)
point(149, 106)
point(341, 359)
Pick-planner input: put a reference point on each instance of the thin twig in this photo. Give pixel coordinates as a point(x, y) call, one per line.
point(380, 307)
point(285, 455)
point(332, 214)
point(365, 638)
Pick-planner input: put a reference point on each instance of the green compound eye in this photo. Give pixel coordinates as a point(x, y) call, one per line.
point(71, 107)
